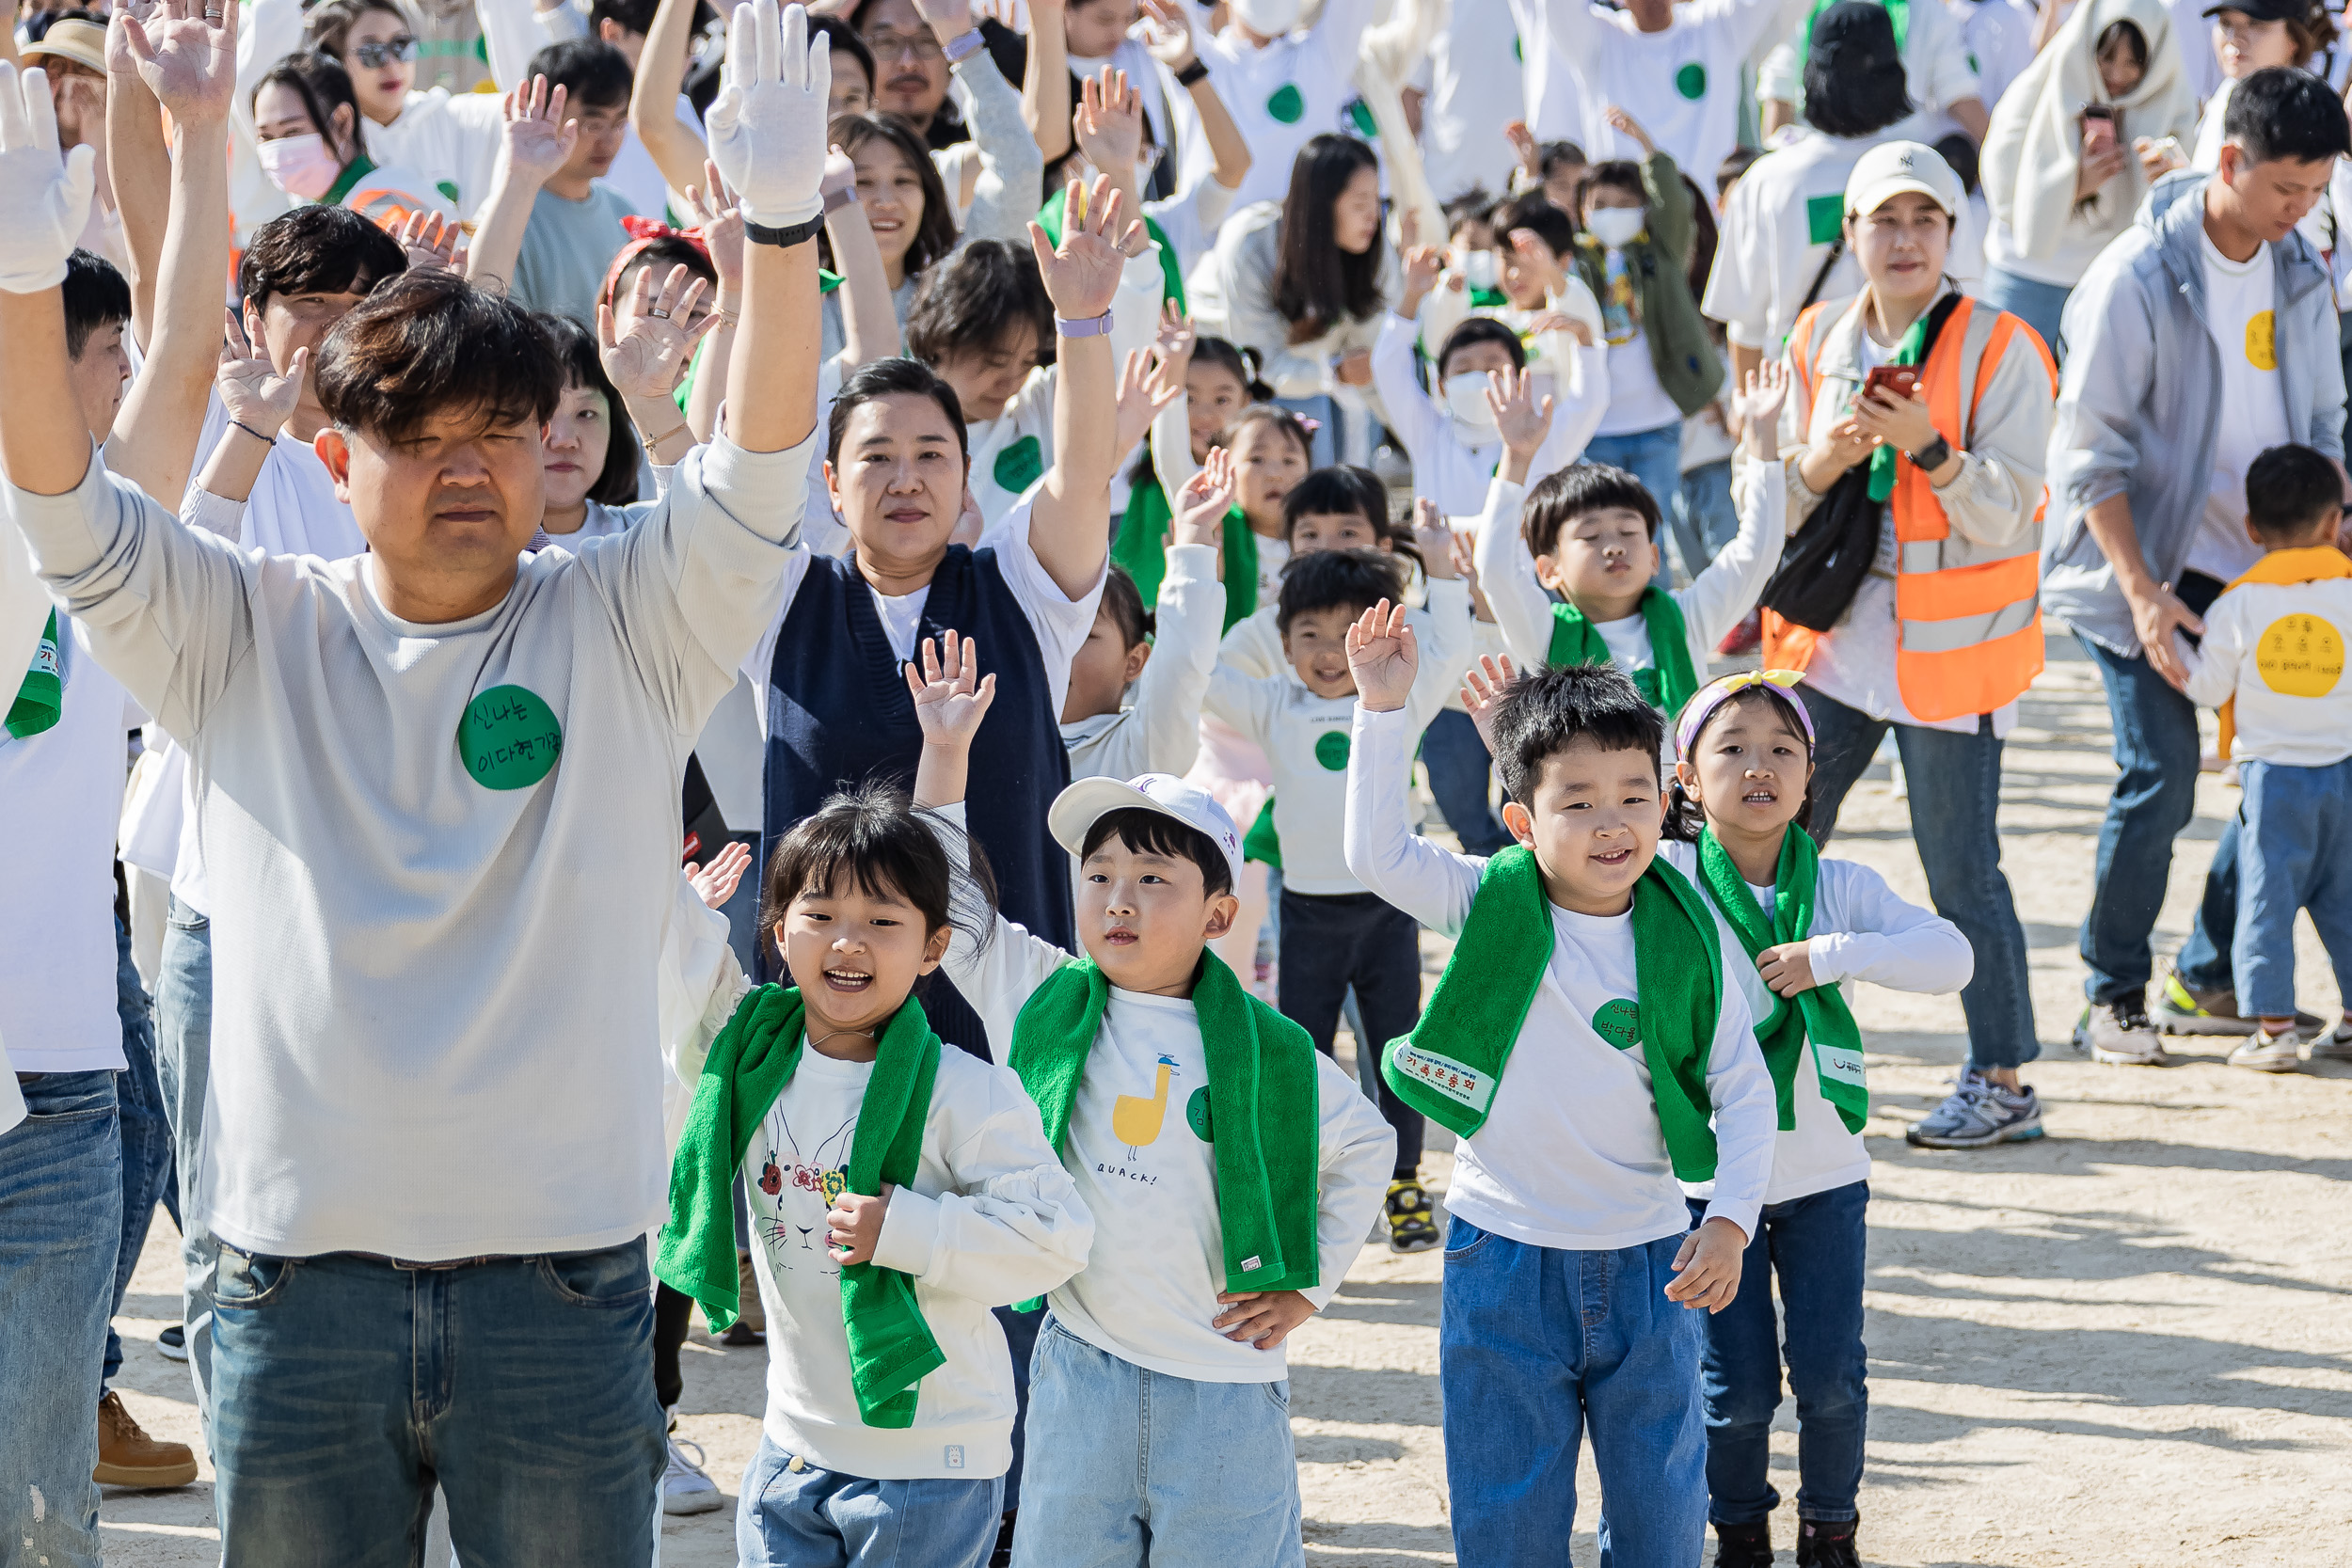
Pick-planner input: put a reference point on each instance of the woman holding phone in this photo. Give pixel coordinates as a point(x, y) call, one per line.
point(1922, 415)
point(2103, 110)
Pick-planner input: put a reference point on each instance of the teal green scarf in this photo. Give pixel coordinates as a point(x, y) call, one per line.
point(1669, 681)
point(1141, 548)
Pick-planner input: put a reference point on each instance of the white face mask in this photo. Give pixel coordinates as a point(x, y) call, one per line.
point(1482, 269)
point(1466, 400)
point(300, 166)
point(1267, 18)
point(1616, 227)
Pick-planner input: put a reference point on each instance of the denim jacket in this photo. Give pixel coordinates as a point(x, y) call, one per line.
point(2138, 400)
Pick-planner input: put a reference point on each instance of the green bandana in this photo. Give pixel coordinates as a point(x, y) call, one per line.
point(1265, 1119)
point(1669, 681)
point(1141, 548)
point(41, 698)
point(1172, 272)
point(891, 1348)
point(1913, 349)
point(1450, 1066)
point(1821, 1014)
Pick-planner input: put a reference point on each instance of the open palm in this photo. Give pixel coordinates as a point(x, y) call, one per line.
point(646, 351)
point(538, 140)
point(950, 696)
point(186, 56)
point(1082, 272)
point(1383, 656)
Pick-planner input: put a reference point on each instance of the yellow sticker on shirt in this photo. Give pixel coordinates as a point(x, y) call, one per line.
point(2300, 656)
point(2261, 346)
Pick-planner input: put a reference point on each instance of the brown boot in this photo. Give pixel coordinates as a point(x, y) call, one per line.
point(128, 1457)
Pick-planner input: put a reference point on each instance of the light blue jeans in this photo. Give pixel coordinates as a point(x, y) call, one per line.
point(146, 1152)
point(346, 1387)
point(60, 1224)
point(1655, 458)
point(184, 1054)
point(818, 1518)
point(2039, 306)
point(2294, 852)
point(1535, 1345)
point(1128, 1466)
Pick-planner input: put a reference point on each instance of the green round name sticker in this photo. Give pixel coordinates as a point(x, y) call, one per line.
point(1691, 81)
point(1619, 1023)
point(1197, 1113)
point(509, 739)
point(1019, 464)
point(1286, 105)
point(1331, 750)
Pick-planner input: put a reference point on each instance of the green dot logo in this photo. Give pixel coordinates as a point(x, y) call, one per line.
point(1619, 1023)
point(447, 187)
point(1360, 113)
point(1516, 53)
point(1197, 1113)
point(1331, 750)
point(1286, 105)
point(508, 738)
point(1019, 465)
point(1691, 81)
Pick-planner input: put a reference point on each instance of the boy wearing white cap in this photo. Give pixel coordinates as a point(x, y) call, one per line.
point(1233, 1172)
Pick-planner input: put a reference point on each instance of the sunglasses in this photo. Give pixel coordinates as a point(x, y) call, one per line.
point(376, 56)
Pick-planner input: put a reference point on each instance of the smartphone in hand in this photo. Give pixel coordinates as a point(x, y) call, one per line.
point(1896, 381)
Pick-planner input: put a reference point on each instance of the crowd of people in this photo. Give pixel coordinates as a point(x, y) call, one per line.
point(1011, 516)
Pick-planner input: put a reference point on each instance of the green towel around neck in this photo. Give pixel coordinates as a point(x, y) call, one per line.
point(1669, 681)
point(891, 1347)
point(1821, 1014)
point(1910, 351)
point(41, 699)
point(1451, 1066)
point(1141, 548)
point(1262, 843)
point(1264, 1117)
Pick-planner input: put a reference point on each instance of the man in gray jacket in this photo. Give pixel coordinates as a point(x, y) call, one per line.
point(2203, 336)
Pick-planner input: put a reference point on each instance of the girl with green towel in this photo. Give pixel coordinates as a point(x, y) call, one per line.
point(1792, 926)
point(1586, 1049)
point(899, 1191)
point(1232, 1171)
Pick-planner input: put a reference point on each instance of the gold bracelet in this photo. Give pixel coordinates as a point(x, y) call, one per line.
point(650, 442)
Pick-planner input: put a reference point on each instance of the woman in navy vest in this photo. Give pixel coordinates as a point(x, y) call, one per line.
point(896, 462)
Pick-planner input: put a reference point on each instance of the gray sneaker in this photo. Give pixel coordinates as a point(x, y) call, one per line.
point(2182, 1011)
point(2120, 1035)
point(2269, 1052)
point(1978, 1114)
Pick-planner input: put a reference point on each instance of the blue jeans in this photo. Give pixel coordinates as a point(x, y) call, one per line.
point(1323, 445)
point(1129, 1467)
point(1652, 457)
point(1704, 516)
point(818, 1518)
point(2040, 305)
point(184, 1054)
point(1461, 769)
point(2294, 853)
point(2156, 751)
point(60, 1221)
point(1534, 1344)
point(1955, 783)
point(146, 1162)
point(346, 1387)
point(1813, 1246)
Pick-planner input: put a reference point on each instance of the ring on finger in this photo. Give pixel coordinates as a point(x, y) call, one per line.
point(659, 314)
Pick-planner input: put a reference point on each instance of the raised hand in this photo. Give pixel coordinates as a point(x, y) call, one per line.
point(951, 696)
point(46, 196)
point(1167, 33)
point(1482, 689)
point(1082, 272)
point(647, 351)
point(948, 19)
point(537, 138)
point(1437, 541)
point(1523, 421)
point(185, 52)
point(1383, 656)
point(1625, 124)
point(710, 208)
point(434, 243)
point(1177, 335)
point(714, 884)
point(1204, 501)
point(1422, 263)
point(1523, 147)
point(250, 388)
point(1756, 407)
point(767, 128)
point(1109, 121)
point(1144, 389)
point(1560, 320)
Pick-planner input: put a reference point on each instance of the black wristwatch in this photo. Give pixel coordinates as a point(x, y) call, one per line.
point(1933, 456)
point(790, 235)
point(1193, 72)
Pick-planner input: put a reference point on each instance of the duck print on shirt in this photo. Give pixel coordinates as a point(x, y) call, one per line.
point(795, 1187)
point(1136, 1121)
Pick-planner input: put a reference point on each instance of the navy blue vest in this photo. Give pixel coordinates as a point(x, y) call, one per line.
point(838, 714)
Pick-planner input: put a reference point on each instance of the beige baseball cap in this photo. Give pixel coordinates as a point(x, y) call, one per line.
point(1086, 802)
point(83, 43)
point(1892, 167)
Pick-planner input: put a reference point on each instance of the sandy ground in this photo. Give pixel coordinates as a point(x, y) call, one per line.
point(2127, 1344)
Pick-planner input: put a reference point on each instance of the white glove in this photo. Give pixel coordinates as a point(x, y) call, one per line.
point(767, 127)
point(46, 198)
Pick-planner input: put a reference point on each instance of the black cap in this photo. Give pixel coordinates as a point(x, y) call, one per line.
point(1860, 34)
point(2266, 10)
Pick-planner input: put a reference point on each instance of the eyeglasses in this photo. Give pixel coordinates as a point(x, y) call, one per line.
point(376, 56)
point(890, 46)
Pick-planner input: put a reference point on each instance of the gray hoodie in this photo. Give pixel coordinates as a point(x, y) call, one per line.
point(2138, 403)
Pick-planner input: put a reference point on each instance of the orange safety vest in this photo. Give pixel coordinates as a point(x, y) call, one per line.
point(1968, 630)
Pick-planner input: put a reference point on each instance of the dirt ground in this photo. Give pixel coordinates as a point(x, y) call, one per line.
point(2124, 1345)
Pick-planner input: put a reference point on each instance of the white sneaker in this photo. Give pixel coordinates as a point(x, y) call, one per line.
point(684, 1487)
point(2269, 1053)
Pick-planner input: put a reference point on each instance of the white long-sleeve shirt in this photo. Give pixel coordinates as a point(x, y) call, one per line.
point(1682, 86)
point(1147, 1292)
point(1861, 931)
point(1159, 729)
point(2278, 648)
point(1450, 466)
point(1571, 1155)
point(1711, 605)
point(402, 978)
point(1306, 740)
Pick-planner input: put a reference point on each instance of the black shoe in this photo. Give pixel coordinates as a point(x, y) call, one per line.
point(1827, 1543)
point(1002, 1556)
point(1743, 1545)
point(1410, 1227)
point(174, 1342)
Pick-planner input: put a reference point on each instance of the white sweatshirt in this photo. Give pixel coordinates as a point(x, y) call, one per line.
point(1453, 462)
point(1571, 1154)
point(1159, 729)
point(1147, 1292)
point(2278, 648)
point(1861, 931)
point(415, 972)
point(1307, 741)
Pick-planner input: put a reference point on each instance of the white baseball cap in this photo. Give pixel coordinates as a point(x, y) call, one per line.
point(1892, 167)
point(1087, 801)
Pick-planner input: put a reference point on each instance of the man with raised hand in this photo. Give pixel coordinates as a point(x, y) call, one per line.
point(434, 1125)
